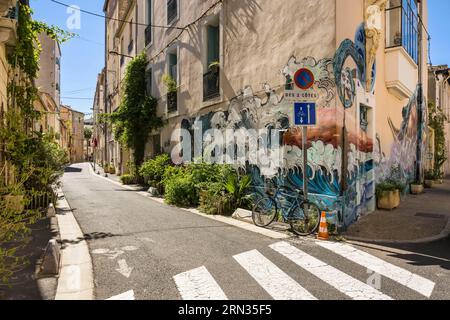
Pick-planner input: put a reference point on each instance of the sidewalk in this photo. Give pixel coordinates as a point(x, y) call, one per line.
point(419, 219)
point(99, 169)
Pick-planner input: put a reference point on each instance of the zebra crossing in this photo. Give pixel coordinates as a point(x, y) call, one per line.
point(199, 284)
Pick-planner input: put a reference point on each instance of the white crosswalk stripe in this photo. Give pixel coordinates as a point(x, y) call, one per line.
point(277, 283)
point(351, 287)
point(198, 284)
point(397, 274)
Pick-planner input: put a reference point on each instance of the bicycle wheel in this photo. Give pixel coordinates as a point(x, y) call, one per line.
point(264, 212)
point(304, 218)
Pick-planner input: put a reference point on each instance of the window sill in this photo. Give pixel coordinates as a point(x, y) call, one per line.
point(213, 101)
point(172, 114)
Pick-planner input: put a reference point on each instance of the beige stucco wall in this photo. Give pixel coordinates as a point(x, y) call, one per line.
point(258, 38)
point(48, 79)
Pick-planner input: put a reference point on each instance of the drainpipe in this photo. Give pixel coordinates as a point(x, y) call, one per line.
point(420, 100)
point(106, 89)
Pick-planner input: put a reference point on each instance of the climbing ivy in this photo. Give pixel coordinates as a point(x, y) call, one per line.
point(136, 116)
point(437, 122)
point(35, 158)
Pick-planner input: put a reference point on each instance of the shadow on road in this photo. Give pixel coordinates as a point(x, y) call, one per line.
point(72, 170)
point(429, 254)
point(88, 237)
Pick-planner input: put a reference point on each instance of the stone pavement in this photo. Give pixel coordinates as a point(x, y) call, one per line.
point(420, 218)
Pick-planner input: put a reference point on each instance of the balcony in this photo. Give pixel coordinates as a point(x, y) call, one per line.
point(8, 23)
point(401, 73)
point(172, 103)
point(148, 35)
point(211, 84)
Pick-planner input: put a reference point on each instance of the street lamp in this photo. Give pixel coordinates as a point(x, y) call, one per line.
point(115, 53)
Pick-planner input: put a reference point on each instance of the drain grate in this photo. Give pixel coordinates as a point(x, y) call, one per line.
point(430, 215)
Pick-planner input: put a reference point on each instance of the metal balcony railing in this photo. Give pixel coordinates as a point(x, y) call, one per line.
point(172, 103)
point(211, 84)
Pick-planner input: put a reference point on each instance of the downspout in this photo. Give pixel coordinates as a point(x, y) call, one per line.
point(106, 89)
point(420, 109)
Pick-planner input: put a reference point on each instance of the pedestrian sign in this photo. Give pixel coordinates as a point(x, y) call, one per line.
point(305, 114)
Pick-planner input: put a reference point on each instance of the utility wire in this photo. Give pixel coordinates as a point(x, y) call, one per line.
point(115, 19)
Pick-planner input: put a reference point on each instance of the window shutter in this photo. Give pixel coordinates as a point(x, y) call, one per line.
point(213, 44)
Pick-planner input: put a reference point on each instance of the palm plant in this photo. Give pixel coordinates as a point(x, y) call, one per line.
point(238, 188)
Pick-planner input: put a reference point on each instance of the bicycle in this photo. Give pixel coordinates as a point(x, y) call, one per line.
point(303, 215)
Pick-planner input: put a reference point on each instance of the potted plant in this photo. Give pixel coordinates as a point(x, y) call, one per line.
point(172, 89)
point(214, 66)
point(112, 169)
point(388, 195)
point(416, 188)
point(429, 178)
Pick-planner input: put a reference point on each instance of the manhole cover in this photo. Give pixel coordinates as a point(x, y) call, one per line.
point(430, 215)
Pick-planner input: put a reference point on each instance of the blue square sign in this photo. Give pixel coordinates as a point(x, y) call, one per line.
point(305, 114)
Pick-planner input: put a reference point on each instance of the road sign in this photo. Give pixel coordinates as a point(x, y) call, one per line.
point(305, 114)
point(304, 79)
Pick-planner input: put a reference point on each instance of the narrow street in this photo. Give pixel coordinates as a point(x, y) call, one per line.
point(161, 252)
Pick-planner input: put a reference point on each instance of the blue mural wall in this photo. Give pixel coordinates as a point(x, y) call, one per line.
point(343, 158)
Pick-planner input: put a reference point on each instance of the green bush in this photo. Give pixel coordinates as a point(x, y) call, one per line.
point(214, 203)
point(180, 191)
point(128, 179)
point(153, 171)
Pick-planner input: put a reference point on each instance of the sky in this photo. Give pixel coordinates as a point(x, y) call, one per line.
point(83, 56)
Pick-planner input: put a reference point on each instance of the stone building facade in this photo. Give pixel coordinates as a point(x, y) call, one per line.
point(233, 62)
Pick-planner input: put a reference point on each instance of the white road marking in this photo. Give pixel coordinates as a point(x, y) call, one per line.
point(129, 295)
point(350, 286)
point(277, 283)
point(124, 269)
point(397, 274)
point(198, 284)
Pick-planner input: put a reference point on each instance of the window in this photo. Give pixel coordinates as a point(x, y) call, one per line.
point(130, 34)
point(148, 30)
point(211, 88)
point(122, 51)
point(402, 26)
point(172, 71)
point(172, 10)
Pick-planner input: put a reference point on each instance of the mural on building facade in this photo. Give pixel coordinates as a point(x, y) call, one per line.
point(343, 159)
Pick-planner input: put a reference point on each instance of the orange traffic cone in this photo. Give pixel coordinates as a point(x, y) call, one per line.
point(323, 228)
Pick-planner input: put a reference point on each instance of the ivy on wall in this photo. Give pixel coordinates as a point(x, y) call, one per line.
point(36, 159)
point(437, 122)
point(136, 116)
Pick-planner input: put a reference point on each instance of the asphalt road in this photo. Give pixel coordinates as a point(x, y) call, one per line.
point(161, 252)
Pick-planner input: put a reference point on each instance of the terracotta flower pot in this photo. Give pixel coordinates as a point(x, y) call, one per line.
point(429, 184)
point(416, 188)
point(389, 200)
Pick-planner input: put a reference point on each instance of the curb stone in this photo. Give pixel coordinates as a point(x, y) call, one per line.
point(443, 235)
point(76, 280)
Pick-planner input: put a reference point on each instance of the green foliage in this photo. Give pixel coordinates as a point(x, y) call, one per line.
point(136, 116)
point(387, 186)
point(128, 179)
point(38, 154)
point(153, 170)
point(28, 48)
point(431, 175)
point(181, 191)
point(238, 189)
point(216, 188)
point(170, 83)
point(87, 133)
point(437, 121)
point(14, 226)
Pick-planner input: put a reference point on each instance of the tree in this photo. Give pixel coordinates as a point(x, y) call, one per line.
point(87, 137)
point(136, 116)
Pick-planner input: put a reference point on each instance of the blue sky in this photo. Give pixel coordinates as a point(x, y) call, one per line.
point(83, 57)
